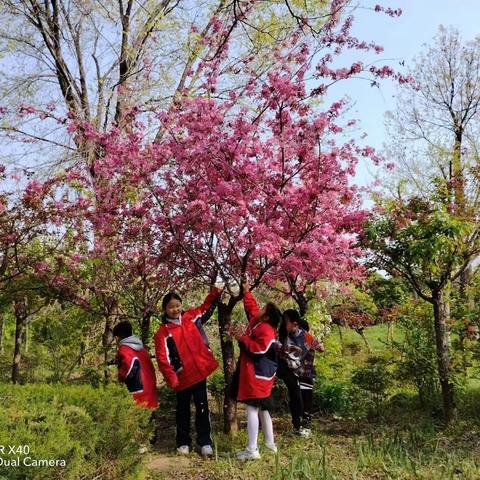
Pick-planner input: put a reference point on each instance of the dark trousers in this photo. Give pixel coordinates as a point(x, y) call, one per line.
point(295, 401)
point(202, 415)
point(300, 400)
point(154, 422)
point(307, 402)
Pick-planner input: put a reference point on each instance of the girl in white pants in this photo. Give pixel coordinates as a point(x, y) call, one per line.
point(256, 371)
point(256, 415)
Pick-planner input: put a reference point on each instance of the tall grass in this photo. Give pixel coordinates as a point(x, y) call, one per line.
point(303, 466)
point(414, 454)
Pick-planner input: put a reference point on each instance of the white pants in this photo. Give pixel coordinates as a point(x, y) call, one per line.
point(254, 415)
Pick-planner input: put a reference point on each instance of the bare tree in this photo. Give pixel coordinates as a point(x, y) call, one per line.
point(96, 60)
point(434, 128)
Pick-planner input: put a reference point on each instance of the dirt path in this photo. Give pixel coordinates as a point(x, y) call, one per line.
point(163, 463)
point(164, 466)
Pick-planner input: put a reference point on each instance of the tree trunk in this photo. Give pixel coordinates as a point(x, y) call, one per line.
point(441, 313)
point(145, 329)
point(389, 332)
point(20, 311)
point(106, 340)
point(457, 175)
point(464, 280)
point(361, 332)
point(27, 336)
point(302, 304)
point(2, 333)
point(81, 355)
point(340, 334)
point(228, 355)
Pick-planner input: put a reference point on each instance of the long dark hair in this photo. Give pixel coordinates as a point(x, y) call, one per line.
point(291, 315)
point(273, 314)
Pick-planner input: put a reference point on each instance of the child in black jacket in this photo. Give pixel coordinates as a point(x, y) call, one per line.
point(296, 368)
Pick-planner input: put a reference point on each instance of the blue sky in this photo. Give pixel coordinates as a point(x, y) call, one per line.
point(402, 37)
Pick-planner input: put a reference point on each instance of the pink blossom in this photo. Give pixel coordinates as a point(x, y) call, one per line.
point(41, 267)
point(24, 110)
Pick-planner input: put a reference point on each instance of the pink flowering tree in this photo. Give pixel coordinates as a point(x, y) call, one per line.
point(115, 260)
point(313, 281)
point(60, 264)
point(255, 197)
point(261, 187)
point(25, 241)
point(253, 181)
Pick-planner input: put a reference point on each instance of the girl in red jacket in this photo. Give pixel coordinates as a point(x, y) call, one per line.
point(185, 361)
point(257, 369)
point(135, 368)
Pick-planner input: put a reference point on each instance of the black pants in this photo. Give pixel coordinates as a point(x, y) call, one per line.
point(154, 422)
point(300, 400)
point(306, 387)
point(202, 415)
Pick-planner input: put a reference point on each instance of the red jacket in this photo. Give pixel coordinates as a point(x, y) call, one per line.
point(136, 370)
point(258, 364)
point(182, 351)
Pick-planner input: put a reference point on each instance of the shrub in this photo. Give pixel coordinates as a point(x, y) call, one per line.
point(216, 386)
point(372, 381)
point(167, 399)
point(417, 364)
point(352, 348)
point(332, 397)
point(96, 431)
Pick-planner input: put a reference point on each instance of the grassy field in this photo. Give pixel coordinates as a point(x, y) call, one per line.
point(339, 449)
point(376, 337)
point(355, 435)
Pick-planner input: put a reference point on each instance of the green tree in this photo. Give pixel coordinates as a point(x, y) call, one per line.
point(427, 229)
point(430, 245)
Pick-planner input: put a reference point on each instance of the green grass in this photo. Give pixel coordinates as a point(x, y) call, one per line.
point(347, 450)
point(376, 336)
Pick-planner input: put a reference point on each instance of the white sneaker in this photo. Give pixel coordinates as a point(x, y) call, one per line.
point(272, 447)
point(206, 451)
point(184, 450)
point(305, 432)
point(248, 454)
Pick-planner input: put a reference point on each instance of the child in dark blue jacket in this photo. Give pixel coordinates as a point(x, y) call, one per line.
point(296, 368)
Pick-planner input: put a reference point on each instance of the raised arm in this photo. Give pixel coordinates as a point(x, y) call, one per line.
point(195, 313)
point(249, 302)
point(209, 312)
point(259, 342)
